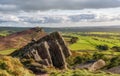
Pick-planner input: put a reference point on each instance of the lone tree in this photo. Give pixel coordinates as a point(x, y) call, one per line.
point(116, 48)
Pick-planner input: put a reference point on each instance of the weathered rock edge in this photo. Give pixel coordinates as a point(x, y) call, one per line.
point(50, 49)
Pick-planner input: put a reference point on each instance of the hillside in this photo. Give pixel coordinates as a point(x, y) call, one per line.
point(20, 39)
point(50, 51)
point(12, 67)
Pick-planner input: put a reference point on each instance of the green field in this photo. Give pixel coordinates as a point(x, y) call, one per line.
point(5, 33)
point(88, 41)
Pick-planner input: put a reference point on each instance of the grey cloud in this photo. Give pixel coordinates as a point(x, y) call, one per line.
point(5, 7)
point(28, 5)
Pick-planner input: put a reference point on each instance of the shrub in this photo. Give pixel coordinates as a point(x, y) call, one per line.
point(102, 47)
point(81, 59)
point(116, 48)
point(70, 60)
point(97, 56)
point(73, 40)
point(115, 61)
point(78, 58)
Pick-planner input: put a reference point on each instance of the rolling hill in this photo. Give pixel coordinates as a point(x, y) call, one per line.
point(20, 39)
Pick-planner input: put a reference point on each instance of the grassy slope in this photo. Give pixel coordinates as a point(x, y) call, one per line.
point(12, 67)
point(81, 73)
point(20, 39)
point(7, 52)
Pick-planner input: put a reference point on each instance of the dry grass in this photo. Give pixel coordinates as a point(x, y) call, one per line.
point(12, 67)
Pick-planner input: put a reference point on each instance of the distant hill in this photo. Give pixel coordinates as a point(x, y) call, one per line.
point(20, 39)
point(69, 29)
point(14, 29)
point(85, 29)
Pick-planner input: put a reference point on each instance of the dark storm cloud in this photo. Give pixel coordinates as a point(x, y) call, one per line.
point(61, 4)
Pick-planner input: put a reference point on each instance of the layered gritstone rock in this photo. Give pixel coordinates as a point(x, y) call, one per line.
point(50, 50)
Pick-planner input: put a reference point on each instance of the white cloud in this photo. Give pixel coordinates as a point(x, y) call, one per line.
point(54, 17)
point(8, 18)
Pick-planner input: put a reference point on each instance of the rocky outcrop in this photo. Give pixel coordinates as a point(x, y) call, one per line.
point(50, 50)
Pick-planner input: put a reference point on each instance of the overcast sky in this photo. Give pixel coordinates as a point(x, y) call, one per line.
point(59, 13)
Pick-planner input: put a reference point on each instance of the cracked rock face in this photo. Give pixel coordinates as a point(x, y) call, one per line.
point(51, 50)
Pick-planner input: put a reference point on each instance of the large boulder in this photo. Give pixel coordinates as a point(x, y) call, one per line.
point(97, 65)
point(92, 66)
point(50, 50)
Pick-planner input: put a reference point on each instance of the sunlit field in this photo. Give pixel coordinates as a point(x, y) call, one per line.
point(88, 41)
